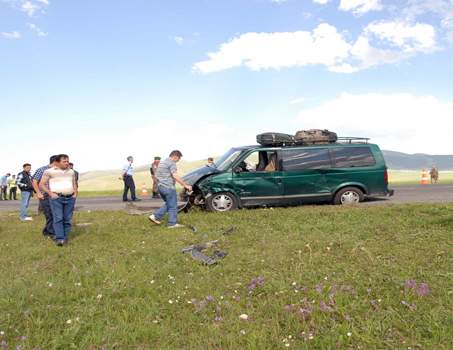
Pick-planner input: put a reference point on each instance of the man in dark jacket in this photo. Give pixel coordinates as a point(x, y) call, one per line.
point(24, 182)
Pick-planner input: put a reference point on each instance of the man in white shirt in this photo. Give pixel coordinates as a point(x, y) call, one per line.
point(62, 192)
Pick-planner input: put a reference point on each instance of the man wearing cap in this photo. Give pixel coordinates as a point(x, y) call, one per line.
point(153, 169)
point(4, 184)
point(127, 176)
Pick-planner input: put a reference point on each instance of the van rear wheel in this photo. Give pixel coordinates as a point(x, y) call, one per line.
point(348, 195)
point(222, 201)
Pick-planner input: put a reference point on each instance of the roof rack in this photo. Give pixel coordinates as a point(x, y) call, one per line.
point(350, 139)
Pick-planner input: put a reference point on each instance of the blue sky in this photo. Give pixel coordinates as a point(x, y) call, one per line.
point(102, 80)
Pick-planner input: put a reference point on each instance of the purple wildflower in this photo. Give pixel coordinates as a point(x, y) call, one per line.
point(318, 288)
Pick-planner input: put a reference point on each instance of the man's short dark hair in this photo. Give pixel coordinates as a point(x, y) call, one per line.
point(26, 164)
point(175, 153)
point(58, 158)
point(71, 163)
point(52, 159)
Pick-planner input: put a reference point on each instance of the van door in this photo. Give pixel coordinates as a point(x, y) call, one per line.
point(260, 181)
point(305, 174)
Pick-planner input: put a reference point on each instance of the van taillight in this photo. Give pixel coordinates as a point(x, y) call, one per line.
point(386, 176)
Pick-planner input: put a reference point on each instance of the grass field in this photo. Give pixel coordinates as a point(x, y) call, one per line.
point(308, 277)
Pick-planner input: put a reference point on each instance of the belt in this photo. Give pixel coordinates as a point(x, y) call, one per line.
point(64, 195)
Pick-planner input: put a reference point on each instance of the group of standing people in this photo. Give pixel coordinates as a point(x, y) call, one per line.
point(56, 187)
point(8, 181)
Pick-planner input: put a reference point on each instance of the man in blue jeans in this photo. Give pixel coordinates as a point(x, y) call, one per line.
point(62, 192)
point(25, 185)
point(167, 175)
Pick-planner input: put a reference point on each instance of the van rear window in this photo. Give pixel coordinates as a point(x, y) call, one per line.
point(347, 157)
point(304, 159)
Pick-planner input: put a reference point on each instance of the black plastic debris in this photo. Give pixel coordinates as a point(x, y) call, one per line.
point(227, 232)
point(218, 255)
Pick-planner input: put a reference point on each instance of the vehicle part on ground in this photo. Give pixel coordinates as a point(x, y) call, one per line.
point(200, 256)
point(218, 254)
point(348, 195)
point(222, 201)
point(227, 232)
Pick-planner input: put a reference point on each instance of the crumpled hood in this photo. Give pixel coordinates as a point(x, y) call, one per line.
point(192, 177)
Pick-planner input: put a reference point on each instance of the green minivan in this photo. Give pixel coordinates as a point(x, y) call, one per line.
point(339, 172)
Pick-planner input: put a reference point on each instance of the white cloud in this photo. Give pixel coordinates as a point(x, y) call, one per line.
point(177, 39)
point(360, 7)
point(298, 100)
point(408, 37)
point(275, 50)
point(370, 56)
point(29, 7)
point(13, 35)
point(395, 122)
point(33, 27)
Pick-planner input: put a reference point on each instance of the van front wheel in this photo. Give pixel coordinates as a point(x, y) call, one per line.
point(222, 201)
point(348, 195)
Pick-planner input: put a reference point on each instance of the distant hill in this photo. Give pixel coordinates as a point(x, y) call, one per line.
point(418, 161)
point(394, 160)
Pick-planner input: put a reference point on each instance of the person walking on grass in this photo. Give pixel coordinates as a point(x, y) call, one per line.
point(43, 197)
point(62, 192)
point(127, 176)
point(25, 185)
point(167, 175)
point(4, 189)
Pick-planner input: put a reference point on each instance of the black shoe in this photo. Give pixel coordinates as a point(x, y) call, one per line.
point(136, 200)
point(125, 200)
point(60, 244)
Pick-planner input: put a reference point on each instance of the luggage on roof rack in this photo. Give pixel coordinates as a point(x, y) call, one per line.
point(279, 139)
point(317, 136)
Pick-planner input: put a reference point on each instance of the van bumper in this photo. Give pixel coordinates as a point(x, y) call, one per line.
point(390, 192)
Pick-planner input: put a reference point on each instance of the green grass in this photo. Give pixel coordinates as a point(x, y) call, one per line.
point(313, 277)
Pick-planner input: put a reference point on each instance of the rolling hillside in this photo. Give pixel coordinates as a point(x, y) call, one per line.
point(403, 168)
point(403, 161)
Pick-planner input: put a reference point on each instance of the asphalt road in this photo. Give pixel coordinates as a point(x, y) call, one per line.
point(432, 193)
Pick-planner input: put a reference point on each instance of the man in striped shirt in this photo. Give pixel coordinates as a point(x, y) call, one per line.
point(43, 197)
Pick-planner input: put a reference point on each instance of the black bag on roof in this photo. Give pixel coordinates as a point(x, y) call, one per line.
point(279, 139)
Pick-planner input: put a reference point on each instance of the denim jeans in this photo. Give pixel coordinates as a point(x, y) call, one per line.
point(48, 229)
point(171, 205)
point(62, 209)
point(24, 203)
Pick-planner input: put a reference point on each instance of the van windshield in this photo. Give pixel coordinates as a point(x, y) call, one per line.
point(225, 161)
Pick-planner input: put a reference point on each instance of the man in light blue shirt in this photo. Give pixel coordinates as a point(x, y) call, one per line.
point(127, 174)
point(167, 176)
point(4, 188)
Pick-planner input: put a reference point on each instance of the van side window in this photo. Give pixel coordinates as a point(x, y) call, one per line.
point(304, 159)
point(347, 157)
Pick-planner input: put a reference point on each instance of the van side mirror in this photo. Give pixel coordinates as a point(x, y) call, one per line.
point(238, 169)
